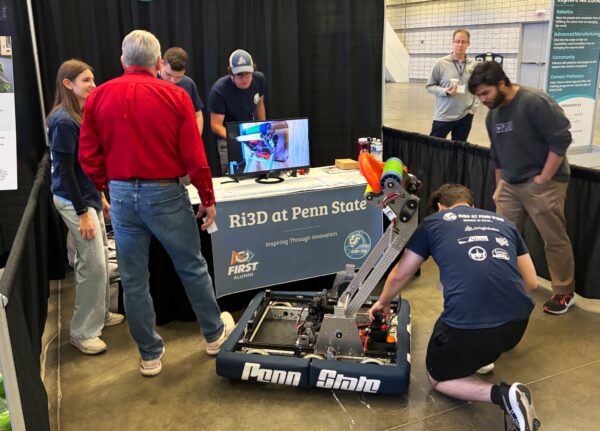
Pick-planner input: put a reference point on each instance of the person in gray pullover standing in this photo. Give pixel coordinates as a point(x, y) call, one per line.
point(454, 104)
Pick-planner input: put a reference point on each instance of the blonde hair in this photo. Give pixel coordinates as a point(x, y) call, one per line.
point(63, 97)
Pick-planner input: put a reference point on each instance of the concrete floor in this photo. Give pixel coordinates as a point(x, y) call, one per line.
point(559, 358)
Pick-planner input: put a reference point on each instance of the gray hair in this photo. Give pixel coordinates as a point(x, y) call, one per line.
point(140, 48)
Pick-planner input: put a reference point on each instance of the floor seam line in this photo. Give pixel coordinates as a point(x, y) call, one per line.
point(429, 416)
point(563, 372)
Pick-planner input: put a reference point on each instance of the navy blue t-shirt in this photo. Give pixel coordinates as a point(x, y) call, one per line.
point(63, 133)
point(190, 88)
point(237, 105)
point(476, 251)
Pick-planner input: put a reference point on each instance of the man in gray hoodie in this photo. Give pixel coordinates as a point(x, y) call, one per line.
point(454, 104)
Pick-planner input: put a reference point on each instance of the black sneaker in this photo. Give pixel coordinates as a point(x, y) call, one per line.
point(559, 304)
point(518, 406)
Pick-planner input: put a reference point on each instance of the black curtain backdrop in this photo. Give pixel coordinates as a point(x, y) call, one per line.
point(322, 59)
point(14, 22)
point(25, 283)
point(437, 161)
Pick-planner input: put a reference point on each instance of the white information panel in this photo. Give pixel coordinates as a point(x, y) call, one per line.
point(8, 124)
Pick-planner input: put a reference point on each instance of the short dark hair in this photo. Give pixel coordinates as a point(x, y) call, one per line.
point(450, 194)
point(461, 30)
point(176, 58)
point(487, 73)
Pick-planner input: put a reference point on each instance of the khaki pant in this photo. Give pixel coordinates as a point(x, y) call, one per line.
point(545, 206)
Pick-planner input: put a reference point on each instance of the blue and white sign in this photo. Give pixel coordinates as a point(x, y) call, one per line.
point(267, 241)
point(8, 123)
point(573, 64)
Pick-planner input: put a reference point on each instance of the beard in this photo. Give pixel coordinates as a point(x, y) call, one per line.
point(500, 97)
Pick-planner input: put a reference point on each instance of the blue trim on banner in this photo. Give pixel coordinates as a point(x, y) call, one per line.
point(574, 96)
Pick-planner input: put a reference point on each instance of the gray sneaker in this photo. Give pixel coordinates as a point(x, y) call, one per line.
point(91, 346)
point(213, 347)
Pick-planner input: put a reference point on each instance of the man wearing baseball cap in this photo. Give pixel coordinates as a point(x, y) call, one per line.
point(238, 96)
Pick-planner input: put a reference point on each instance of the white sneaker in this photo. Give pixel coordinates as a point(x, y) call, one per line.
point(214, 347)
point(152, 367)
point(486, 369)
point(112, 319)
point(91, 346)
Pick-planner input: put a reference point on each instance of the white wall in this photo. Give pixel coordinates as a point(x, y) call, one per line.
point(397, 59)
point(426, 26)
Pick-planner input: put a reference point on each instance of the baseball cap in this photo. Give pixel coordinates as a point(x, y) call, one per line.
point(240, 61)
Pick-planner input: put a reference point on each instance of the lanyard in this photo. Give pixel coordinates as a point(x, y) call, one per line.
point(460, 70)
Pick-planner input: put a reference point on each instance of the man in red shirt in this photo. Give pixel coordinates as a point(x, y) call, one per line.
point(138, 136)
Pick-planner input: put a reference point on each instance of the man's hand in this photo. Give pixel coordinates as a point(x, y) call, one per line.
point(86, 226)
point(497, 191)
point(381, 307)
point(210, 213)
point(451, 90)
point(540, 179)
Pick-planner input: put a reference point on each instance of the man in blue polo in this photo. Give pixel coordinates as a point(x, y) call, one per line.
point(486, 273)
point(173, 70)
point(237, 96)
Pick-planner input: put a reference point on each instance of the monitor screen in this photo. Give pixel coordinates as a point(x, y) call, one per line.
point(266, 147)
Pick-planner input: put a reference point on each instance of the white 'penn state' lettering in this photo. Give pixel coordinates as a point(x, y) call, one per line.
point(280, 377)
point(330, 379)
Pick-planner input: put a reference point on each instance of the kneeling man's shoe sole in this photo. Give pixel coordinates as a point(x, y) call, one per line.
point(522, 412)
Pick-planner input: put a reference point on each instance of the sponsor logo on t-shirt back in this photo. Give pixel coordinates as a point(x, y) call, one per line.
point(477, 253)
point(500, 253)
point(449, 217)
point(468, 239)
point(502, 241)
point(483, 228)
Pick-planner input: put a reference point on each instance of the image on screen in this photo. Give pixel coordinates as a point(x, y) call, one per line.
point(267, 146)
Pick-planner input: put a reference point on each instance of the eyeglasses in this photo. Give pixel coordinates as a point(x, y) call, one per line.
point(461, 42)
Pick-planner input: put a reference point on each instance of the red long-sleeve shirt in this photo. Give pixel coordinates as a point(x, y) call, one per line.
point(139, 127)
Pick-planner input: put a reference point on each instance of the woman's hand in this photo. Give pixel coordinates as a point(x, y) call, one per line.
point(86, 226)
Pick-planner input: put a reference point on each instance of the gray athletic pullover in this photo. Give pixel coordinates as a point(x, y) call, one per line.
point(455, 106)
point(524, 131)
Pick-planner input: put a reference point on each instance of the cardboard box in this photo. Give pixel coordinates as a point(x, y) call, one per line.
point(346, 164)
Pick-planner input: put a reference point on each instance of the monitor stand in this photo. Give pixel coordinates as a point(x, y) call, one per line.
point(231, 180)
point(267, 179)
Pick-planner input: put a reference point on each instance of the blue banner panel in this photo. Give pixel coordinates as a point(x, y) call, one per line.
point(273, 240)
point(573, 64)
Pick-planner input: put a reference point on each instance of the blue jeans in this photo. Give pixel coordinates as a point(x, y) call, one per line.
point(460, 128)
point(140, 209)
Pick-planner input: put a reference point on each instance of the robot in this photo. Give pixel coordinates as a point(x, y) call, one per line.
point(326, 339)
point(264, 144)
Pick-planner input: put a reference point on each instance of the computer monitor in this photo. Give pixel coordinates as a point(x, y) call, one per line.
point(264, 149)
